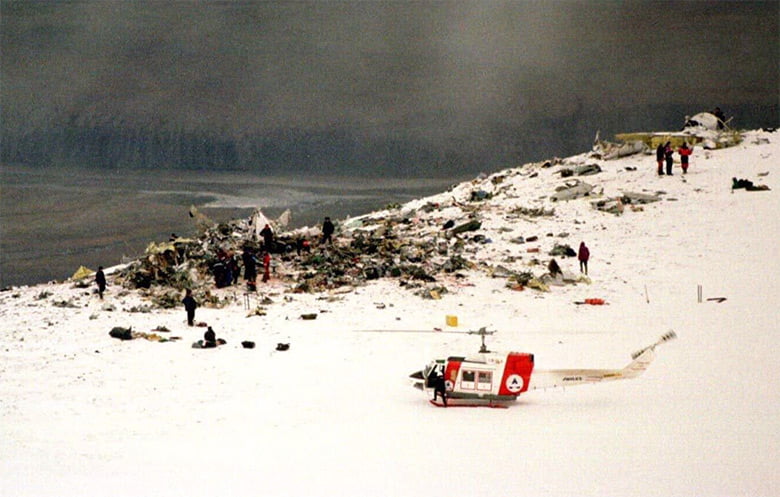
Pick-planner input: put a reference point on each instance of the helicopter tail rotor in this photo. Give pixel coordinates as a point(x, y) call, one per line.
point(666, 337)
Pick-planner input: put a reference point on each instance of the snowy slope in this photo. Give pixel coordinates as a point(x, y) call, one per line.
point(84, 414)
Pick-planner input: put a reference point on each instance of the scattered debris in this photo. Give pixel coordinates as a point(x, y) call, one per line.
point(617, 205)
point(608, 151)
point(571, 190)
point(532, 211)
point(562, 250)
point(585, 170)
point(65, 304)
point(258, 311)
point(123, 334)
point(591, 302)
point(472, 225)
point(747, 185)
point(639, 198)
point(611, 205)
point(420, 244)
point(43, 295)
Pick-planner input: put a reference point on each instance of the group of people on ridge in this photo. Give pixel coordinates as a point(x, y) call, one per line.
point(665, 153)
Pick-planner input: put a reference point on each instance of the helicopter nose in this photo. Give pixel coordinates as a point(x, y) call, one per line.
point(419, 380)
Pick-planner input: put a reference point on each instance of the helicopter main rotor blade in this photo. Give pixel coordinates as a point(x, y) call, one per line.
point(412, 331)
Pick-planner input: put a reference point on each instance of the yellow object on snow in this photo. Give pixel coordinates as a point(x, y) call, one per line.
point(452, 320)
point(81, 273)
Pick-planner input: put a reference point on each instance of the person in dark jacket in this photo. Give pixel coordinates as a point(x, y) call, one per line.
point(659, 157)
point(100, 279)
point(268, 238)
point(721, 117)
point(250, 265)
point(684, 152)
point(554, 268)
point(327, 231)
point(190, 305)
point(669, 156)
point(209, 339)
point(583, 255)
point(440, 389)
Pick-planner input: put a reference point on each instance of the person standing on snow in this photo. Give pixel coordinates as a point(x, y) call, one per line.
point(327, 231)
point(100, 279)
point(250, 268)
point(721, 117)
point(684, 152)
point(440, 388)
point(266, 266)
point(583, 255)
point(190, 305)
point(268, 237)
point(659, 157)
point(669, 155)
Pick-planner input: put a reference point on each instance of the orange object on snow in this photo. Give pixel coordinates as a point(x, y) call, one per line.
point(595, 301)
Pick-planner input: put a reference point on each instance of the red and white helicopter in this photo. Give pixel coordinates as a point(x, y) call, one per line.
point(494, 379)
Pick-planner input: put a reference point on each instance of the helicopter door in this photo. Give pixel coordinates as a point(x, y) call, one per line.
point(432, 371)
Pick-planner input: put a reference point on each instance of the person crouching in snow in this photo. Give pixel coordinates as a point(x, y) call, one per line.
point(684, 152)
point(554, 269)
point(583, 255)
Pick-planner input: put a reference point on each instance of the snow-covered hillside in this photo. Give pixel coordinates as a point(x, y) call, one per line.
point(82, 413)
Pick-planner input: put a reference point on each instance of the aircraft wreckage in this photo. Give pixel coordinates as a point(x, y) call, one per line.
point(704, 129)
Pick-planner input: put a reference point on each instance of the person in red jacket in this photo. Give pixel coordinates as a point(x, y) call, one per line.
point(684, 152)
point(583, 255)
point(266, 267)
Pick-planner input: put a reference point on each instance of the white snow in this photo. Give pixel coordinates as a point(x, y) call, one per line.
point(83, 414)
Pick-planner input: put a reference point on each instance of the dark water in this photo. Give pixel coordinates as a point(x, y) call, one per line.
point(54, 220)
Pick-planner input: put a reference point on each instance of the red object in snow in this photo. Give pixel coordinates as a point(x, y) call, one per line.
point(595, 301)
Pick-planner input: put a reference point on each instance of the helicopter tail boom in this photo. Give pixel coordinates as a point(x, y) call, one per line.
point(641, 359)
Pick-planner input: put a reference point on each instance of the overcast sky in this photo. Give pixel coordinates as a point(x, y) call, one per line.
point(427, 68)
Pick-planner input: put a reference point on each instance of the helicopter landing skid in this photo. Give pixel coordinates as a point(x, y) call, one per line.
point(454, 403)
